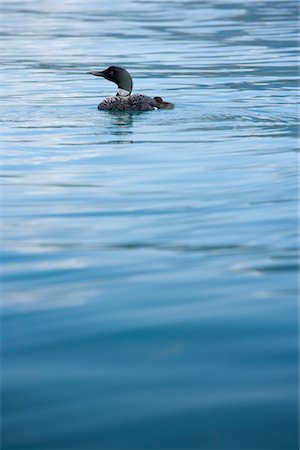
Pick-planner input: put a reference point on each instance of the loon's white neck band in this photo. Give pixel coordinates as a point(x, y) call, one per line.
point(122, 92)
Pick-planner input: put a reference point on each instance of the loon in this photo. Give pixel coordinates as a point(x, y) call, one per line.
point(124, 100)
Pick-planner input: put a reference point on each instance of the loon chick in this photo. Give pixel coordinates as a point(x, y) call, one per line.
point(163, 105)
point(124, 100)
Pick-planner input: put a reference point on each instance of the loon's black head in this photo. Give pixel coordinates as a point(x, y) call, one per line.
point(117, 75)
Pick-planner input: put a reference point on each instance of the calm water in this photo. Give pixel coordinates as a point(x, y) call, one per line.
point(150, 270)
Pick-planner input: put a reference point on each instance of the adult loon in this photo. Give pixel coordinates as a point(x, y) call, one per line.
point(124, 100)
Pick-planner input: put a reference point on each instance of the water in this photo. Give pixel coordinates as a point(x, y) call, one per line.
point(150, 270)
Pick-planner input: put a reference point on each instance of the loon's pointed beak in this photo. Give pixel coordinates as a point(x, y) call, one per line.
point(97, 74)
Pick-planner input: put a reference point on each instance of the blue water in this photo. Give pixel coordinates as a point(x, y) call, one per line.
point(150, 260)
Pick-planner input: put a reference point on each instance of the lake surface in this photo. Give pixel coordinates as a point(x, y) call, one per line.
point(150, 260)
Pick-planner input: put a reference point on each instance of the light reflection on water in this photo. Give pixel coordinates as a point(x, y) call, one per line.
point(150, 260)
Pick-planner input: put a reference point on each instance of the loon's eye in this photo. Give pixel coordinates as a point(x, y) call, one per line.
point(111, 72)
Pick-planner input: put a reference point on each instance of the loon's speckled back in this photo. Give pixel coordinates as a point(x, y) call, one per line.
point(124, 100)
point(134, 102)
